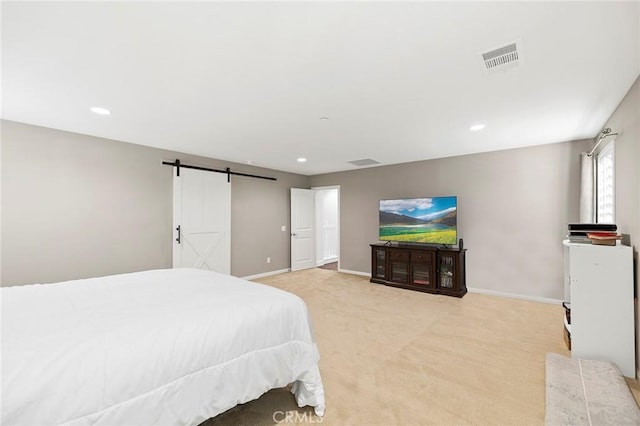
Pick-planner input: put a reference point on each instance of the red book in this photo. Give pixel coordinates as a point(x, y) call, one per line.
point(603, 236)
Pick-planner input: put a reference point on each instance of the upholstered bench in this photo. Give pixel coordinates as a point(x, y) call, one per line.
point(584, 392)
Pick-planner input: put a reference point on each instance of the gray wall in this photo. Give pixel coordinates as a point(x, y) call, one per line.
point(626, 122)
point(513, 210)
point(76, 206)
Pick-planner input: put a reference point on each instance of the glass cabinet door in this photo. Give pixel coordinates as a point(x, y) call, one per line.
point(399, 272)
point(381, 268)
point(446, 271)
point(421, 274)
point(422, 268)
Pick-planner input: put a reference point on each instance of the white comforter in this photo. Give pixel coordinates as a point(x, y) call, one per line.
point(174, 346)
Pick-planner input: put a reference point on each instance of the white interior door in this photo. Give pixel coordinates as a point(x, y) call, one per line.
point(302, 229)
point(202, 220)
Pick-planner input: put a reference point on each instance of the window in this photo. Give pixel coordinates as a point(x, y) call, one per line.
point(605, 184)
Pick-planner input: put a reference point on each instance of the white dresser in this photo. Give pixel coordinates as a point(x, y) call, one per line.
point(599, 285)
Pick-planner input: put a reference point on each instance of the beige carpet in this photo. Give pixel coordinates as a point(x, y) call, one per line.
point(333, 266)
point(397, 357)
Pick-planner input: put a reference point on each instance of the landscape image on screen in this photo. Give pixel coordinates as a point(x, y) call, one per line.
point(419, 220)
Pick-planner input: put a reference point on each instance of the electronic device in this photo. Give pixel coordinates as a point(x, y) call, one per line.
point(430, 220)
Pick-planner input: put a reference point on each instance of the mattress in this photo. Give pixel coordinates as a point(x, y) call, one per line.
point(174, 346)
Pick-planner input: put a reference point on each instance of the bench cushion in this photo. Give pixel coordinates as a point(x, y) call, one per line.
point(586, 392)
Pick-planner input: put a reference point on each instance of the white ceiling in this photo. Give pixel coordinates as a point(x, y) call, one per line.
point(243, 82)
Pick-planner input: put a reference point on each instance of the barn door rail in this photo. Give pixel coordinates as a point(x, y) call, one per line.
point(177, 164)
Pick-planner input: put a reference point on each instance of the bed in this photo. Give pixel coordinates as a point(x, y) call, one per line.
point(173, 346)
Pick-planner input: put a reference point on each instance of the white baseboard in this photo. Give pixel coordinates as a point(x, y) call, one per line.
point(325, 261)
point(347, 271)
point(266, 274)
point(515, 296)
point(469, 289)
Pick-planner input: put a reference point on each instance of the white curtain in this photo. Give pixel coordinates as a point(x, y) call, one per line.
point(586, 189)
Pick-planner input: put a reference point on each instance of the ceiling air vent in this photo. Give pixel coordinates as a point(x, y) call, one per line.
point(364, 162)
point(503, 57)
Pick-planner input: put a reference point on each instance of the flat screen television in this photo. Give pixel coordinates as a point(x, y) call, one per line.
point(419, 220)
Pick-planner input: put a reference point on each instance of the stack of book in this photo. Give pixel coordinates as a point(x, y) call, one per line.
point(604, 238)
point(593, 233)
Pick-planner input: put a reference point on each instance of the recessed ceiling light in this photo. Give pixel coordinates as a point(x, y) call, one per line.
point(324, 118)
point(100, 110)
point(477, 127)
point(302, 160)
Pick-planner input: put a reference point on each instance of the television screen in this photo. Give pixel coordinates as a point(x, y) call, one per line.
point(419, 220)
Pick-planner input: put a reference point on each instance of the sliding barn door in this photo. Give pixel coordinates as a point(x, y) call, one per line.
point(202, 221)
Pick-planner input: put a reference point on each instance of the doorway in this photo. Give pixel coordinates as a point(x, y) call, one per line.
point(315, 228)
point(327, 220)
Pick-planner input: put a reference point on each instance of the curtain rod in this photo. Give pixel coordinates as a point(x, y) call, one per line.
point(177, 164)
point(603, 134)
